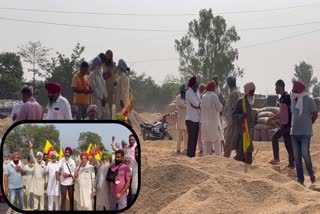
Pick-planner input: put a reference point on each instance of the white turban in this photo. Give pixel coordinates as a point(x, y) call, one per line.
point(39, 153)
point(52, 153)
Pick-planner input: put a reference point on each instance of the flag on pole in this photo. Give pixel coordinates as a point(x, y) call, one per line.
point(124, 114)
point(48, 148)
point(89, 150)
point(97, 153)
point(61, 153)
point(245, 128)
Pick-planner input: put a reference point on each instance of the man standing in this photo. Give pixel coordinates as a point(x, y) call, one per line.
point(285, 120)
point(59, 107)
point(15, 111)
point(130, 150)
point(181, 107)
point(210, 115)
point(122, 90)
point(85, 183)
point(221, 98)
point(27, 179)
point(102, 185)
point(67, 167)
point(230, 131)
point(122, 182)
point(135, 177)
point(53, 182)
point(243, 120)
point(99, 95)
point(13, 183)
point(193, 116)
point(81, 91)
point(31, 109)
point(304, 114)
point(202, 89)
point(109, 67)
point(38, 181)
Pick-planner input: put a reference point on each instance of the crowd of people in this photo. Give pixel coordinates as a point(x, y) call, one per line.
point(201, 109)
point(109, 184)
point(96, 88)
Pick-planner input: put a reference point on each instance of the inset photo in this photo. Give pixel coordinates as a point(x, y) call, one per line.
point(59, 166)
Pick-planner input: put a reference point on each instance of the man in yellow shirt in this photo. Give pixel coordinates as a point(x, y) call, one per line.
point(81, 91)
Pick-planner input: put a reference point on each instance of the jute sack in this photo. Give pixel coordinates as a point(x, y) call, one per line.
point(265, 114)
point(274, 110)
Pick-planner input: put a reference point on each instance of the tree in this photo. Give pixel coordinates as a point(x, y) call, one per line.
point(304, 73)
point(36, 55)
point(10, 75)
point(61, 69)
point(316, 90)
point(17, 139)
point(206, 51)
point(89, 137)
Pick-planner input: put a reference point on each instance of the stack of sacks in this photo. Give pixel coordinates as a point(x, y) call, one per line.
point(264, 131)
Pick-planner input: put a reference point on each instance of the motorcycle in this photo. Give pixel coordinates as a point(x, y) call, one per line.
point(157, 131)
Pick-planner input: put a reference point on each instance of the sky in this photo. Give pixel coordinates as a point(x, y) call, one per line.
point(262, 64)
point(69, 133)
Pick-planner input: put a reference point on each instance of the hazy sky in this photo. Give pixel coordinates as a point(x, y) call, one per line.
point(69, 133)
point(263, 64)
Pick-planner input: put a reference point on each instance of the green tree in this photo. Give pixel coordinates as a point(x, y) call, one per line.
point(206, 50)
point(17, 139)
point(36, 55)
point(316, 90)
point(304, 73)
point(10, 75)
point(89, 137)
point(61, 69)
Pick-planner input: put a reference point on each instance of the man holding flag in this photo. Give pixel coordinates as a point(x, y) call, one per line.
point(243, 120)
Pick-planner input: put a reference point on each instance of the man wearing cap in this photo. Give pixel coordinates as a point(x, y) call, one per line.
point(66, 169)
point(85, 183)
point(81, 90)
point(109, 69)
point(102, 185)
point(59, 107)
point(231, 130)
point(38, 182)
point(243, 120)
point(31, 109)
point(27, 181)
point(13, 182)
point(91, 112)
point(98, 86)
point(122, 89)
point(193, 116)
point(210, 115)
point(181, 107)
point(304, 114)
point(53, 182)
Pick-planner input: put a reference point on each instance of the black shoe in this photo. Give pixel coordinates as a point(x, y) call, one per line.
point(313, 179)
point(301, 182)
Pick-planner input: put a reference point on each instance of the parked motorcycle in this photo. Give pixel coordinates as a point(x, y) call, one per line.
point(157, 131)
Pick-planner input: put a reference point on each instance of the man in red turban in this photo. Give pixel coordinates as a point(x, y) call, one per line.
point(59, 107)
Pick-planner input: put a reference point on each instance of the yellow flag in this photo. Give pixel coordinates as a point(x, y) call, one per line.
point(245, 128)
point(89, 150)
point(97, 153)
point(48, 148)
point(61, 153)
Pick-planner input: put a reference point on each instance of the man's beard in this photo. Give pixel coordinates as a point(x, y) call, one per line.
point(16, 162)
point(117, 162)
point(67, 158)
point(251, 100)
point(109, 62)
point(30, 164)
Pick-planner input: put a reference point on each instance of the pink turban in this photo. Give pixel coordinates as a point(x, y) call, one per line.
point(53, 87)
point(298, 87)
point(92, 108)
point(249, 87)
point(85, 154)
point(211, 86)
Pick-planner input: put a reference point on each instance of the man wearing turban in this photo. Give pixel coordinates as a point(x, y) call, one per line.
point(231, 129)
point(27, 181)
point(304, 114)
point(102, 185)
point(210, 116)
point(181, 107)
point(98, 86)
point(53, 182)
point(38, 181)
point(85, 183)
point(193, 116)
point(66, 170)
point(92, 112)
point(59, 107)
point(122, 89)
point(243, 121)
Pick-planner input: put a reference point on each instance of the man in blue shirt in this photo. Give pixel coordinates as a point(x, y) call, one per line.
point(304, 114)
point(13, 180)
